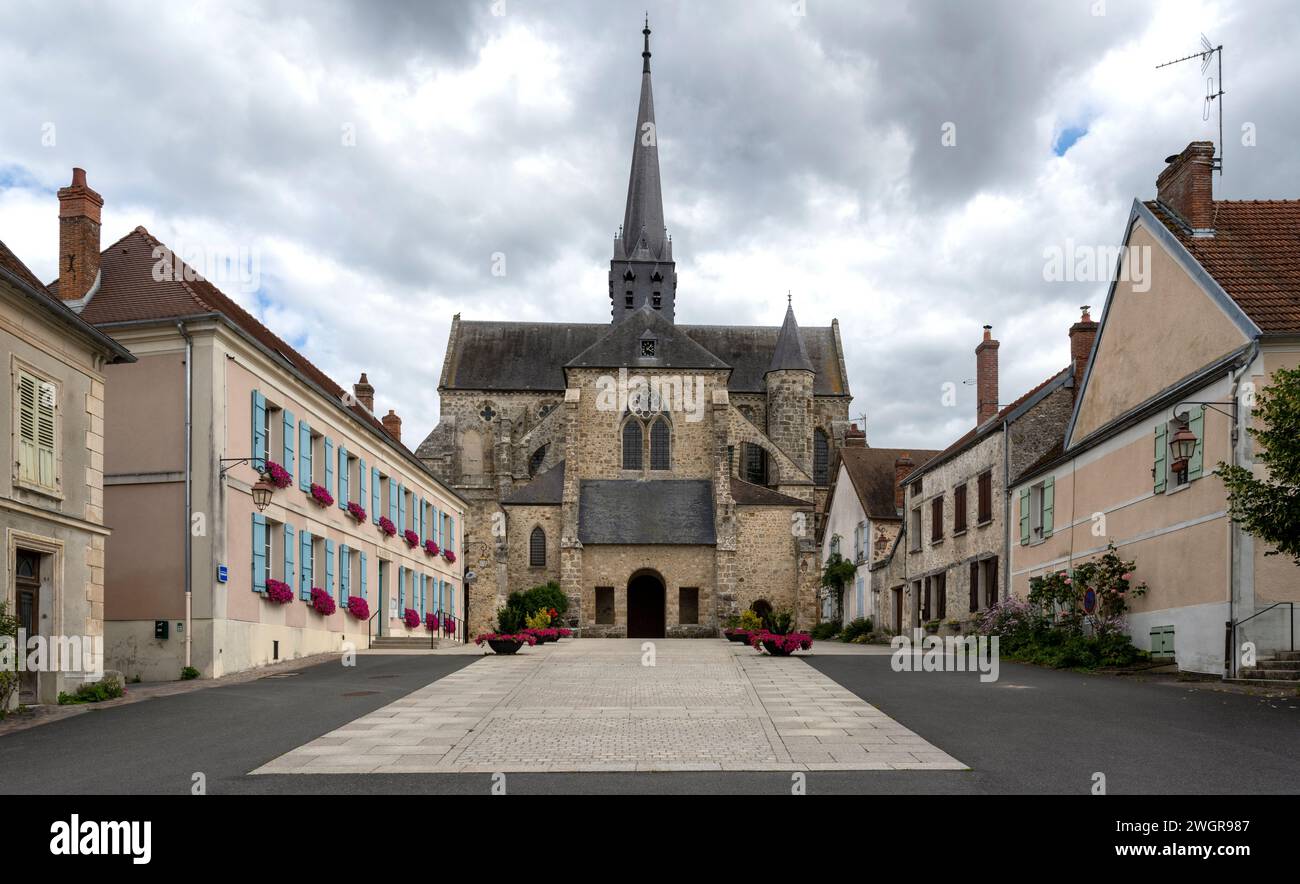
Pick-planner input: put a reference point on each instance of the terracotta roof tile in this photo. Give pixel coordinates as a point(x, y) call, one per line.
point(871, 470)
point(1254, 255)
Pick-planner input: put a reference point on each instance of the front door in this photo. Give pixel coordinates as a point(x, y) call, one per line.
point(898, 610)
point(645, 607)
point(27, 592)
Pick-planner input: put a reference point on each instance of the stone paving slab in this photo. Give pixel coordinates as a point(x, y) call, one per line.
point(592, 705)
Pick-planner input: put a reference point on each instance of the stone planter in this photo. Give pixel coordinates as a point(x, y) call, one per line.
point(738, 636)
point(771, 648)
point(504, 648)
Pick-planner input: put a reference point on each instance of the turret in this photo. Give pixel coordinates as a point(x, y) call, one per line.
point(789, 381)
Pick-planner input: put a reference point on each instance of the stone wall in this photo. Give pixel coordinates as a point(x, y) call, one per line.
point(679, 566)
point(520, 522)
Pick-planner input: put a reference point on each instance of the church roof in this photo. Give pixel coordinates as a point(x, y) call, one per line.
point(622, 346)
point(545, 489)
point(747, 494)
point(790, 354)
point(672, 512)
point(530, 356)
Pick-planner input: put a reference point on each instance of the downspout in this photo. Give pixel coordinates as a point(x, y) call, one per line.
point(1234, 530)
point(1006, 511)
point(189, 489)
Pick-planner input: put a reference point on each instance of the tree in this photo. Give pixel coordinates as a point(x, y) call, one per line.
point(1269, 508)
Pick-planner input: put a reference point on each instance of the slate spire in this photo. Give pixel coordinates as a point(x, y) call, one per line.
point(643, 235)
point(790, 354)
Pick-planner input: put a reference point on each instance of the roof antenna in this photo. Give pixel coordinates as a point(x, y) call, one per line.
point(1207, 55)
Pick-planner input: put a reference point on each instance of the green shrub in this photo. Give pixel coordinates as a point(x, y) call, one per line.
point(8, 677)
point(826, 630)
point(855, 628)
point(510, 620)
point(189, 673)
point(95, 692)
point(540, 620)
point(750, 621)
point(779, 622)
point(539, 598)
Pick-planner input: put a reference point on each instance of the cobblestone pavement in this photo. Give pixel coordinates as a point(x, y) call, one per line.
point(605, 705)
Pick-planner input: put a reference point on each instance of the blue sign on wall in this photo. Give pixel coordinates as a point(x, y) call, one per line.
point(223, 574)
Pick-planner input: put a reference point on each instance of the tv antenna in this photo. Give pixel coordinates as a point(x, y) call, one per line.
point(1207, 55)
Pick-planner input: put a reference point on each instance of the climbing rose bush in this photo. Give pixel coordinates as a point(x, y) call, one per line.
point(278, 475)
point(386, 525)
point(321, 495)
point(322, 601)
point(357, 512)
point(411, 618)
point(279, 592)
point(359, 607)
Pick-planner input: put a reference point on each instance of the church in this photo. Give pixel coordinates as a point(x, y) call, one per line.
point(667, 476)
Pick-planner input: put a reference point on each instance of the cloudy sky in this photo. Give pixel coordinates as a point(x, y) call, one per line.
point(374, 156)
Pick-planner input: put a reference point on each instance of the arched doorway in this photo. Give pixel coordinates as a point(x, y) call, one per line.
point(645, 606)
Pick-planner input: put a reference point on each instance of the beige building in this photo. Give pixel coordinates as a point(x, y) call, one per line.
point(52, 493)
point(1204, 308)
point(211, 401)
point(948, 562)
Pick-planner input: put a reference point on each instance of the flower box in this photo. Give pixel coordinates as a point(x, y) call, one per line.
point(432, 623)
point(781, 645)
point(431, 548)
point(279, 592)
point(321, 495)
point(411, 618)
point(386, 525)
point(412, 539)
point(359, 607)
point(449, 556)
point(322, 601)
point(356, 511)
point(278, 475)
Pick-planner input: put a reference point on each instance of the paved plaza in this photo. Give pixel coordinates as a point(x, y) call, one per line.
point(621, 705)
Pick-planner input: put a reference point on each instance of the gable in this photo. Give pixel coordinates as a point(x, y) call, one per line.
point(1154, 332)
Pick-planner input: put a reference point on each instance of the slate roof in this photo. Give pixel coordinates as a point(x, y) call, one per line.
point(621, 346)
point(545, 489)
point(530, 356)
point(25, 281)
point(747, 494)
point(675, 512)
point(872, 474)
point(1254, 255)
point(790, 353)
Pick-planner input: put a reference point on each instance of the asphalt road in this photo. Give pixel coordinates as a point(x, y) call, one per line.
point(1034, 731)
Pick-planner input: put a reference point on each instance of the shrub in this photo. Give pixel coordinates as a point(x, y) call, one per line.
point(750, 621)
point(779, 622)
point(855, 629)
point(8, 677)
point(825, 630)
point(539, 598)
point(94, 692)
point(189, 673)
point(540, 620)
point(510, 620)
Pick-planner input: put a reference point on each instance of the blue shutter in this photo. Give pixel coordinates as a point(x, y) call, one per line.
point(304, 567)
point(392, 501)
point(329, 464)
point(375, 494)
point(259, 429)
point(343, 478)
point(259, 552)
point(451, 533)
point(287, 456)
point(288, 554)
point(401, 508)
point(329, 567)
point(361, 482)
point(304, 456)
point(401, 590)
point(363, 575)
point(345, 577)
point(419, 593)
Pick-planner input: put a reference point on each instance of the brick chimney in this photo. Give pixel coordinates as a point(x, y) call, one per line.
point(855, 438)
point(986, 377)
point(903, 467)
point(79, 209)
point(393, 424)
point(1186, 186)
point(1083, 334)
point(364, 393)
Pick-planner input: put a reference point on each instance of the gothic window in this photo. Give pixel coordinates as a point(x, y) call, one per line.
point(660, 446)
point(821, 458)
point(471, 453)
point(633, 441)
point(755, 464)
point(536, 461)
point(487, 412)
point(537, 548)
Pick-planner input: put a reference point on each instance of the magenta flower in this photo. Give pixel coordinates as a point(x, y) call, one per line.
point(412, 539)
point(279, 592)
point(431, 548)
point(411, 618)
point(322, 601)
point(321, 495)
point(449, 556)
point(355, 510)
point(358, 607)
point(278, 475)
point(386, 525)
point(432, 623)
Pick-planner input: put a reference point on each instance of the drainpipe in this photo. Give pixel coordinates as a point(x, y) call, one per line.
point(189, 488)
point(1234, 530)
point(1006, 512)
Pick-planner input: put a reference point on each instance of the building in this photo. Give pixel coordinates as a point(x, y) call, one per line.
point(52, 494)
point(1204, 308)
point(666, 475)
point(210, 401)
point(948, 563)
point(865, 503)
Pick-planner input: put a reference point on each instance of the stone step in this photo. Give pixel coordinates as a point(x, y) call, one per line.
point(402, 643)
point(1266, 682)
point(1292, 665)
point(1293, 656)
point(1271, 674)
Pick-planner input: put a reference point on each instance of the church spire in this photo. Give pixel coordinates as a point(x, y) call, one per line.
point(790, 353)
point(643, 234)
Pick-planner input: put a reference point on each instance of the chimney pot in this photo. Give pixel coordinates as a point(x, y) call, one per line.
point(986, 377)
point(902, 469)
point(364, 393)
point(855, 438)
point(79, 217)
point(1083, 335)
point(393, 424)
point(1186, 186)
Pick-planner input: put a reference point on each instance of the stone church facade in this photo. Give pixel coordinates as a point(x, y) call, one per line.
point(666, 475)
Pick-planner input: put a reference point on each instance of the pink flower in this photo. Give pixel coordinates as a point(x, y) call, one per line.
point(358, 607)
point(355, 510)
point(279, 592)
point(322, 601)
point(449, 556)
point(411, 618)
point(431, 548)
point(432, 623)
point(278, 475)
point(412, 539)
point(386, 525)
point(321, 495)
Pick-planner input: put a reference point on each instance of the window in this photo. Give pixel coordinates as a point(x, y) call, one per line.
point(37, 401)
point(914, 531)
point(835, 545)
point(633, 442)
point(657, 300)
point(688, 606)
point(989, 581)
point(660, 445)
point(537, 548)
point(755, 464)
point(1037, 506)
point(627, 301)
point(936, 519)
point(605, 605)
point(974, 587)
point(821, 458)
point(959, 509)
point(1171, 474)
point(984, 487)
point(316, 462)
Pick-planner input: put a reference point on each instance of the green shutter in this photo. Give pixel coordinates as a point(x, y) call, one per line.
point(304, 567)
point(304, 456)
point(1024, 516)
point(287, 456)
point(259, 430)
point(329, 464)
point(259, 552)
point(1197, 425)
point(1162, 453)
point(288, 554)
point(363, 575)
point(345, 577)
point(1049, 504)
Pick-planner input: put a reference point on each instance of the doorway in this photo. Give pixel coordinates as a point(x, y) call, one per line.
point(898, 610)
point(645, 606)
point(27, 594)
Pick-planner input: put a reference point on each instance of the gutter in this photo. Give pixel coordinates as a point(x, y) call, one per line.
point(189, 489)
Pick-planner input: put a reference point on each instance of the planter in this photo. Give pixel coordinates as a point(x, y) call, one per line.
point(776, 650)
point(504, 648)
point(739, 636)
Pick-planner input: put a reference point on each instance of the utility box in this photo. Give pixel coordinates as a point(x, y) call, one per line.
point(160, 629)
